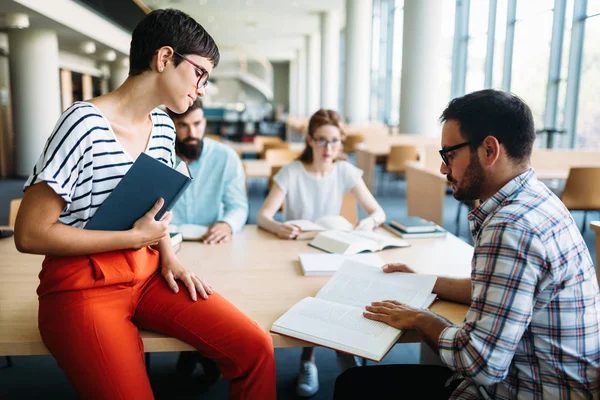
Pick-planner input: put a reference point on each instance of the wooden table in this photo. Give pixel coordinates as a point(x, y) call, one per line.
point(257, 168)
point(252, 148)
point(376, 150)
point(256, 271)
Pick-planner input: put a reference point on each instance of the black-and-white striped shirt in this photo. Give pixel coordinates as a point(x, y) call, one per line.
point(83, 160)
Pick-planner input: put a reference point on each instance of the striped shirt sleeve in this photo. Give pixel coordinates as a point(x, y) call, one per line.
point(67, 150)
point(507, 267)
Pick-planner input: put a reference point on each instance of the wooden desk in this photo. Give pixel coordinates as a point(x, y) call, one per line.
point(256, 271)
point(257, 168)
point(256, 148)
point(376, 150)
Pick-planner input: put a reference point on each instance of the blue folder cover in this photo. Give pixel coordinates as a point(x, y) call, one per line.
point(146, 181)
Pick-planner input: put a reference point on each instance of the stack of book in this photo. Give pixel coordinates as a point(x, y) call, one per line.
point(415, 227)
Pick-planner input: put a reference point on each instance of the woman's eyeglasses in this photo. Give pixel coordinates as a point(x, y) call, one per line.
point(324, 142)
point(201, 72)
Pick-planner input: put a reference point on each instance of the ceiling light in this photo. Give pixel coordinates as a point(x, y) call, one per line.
point(17, 20)
point(88, 47)
point(110, 55)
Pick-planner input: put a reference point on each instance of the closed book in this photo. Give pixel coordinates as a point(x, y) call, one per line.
point(413, 224)
point(438, 233)
point(146, 181)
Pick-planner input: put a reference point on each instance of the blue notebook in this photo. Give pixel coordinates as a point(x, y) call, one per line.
point(146, 181)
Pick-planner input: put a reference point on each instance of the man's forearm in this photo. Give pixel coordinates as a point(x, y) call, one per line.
point(431, 326)
point(453, 289)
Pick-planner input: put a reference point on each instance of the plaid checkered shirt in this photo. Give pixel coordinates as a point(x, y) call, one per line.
point(532, 331)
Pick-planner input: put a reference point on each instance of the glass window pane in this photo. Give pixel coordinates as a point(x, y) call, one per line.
point(588, 112)
point(531, 54)
point(593, 7)
point(478, 25)
point(449, 9)
point(499, 42)
point(394, 116)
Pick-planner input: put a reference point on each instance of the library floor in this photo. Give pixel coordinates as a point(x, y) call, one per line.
point(36, 377)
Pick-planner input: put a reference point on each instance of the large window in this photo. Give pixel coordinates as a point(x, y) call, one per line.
point(476, 45)
point(588, 115)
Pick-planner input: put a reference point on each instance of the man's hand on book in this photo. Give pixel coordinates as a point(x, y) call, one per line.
point(173, 271)
point(393, 313)
point(288, 231)
point(217, 234)
point(148, 231)
point(397, 267)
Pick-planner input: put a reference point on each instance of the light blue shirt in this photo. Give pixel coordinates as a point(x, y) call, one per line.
point(218, 190)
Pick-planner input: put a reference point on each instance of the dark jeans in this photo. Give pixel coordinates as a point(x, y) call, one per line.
point(395, 382)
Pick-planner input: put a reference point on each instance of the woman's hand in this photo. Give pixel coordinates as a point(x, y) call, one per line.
point(288, 231)
point(149, 232)
point(172, 270)
point(365, 224)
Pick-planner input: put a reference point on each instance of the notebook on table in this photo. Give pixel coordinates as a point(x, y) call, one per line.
point(189, 231)
point(146, 181)
point(353, 242)
point(328, 264)
point(413, 225)
point(334, 317)
point(439, 232)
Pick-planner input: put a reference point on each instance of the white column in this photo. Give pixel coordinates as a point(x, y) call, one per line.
point(35, 88)
point(330, 59)
point(119, 71)
point(359, 14)
point(421, 102)
point(302, 86)
point(293, 111)
point(313, 73)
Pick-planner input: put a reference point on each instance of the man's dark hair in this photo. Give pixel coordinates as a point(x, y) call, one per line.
point(168, 27)
point(494, 113)
point(197, 104)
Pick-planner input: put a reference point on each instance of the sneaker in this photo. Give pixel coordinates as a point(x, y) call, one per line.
point(308, 379)
point(346, 361)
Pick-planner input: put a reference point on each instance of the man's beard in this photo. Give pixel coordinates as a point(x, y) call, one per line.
point(189, 148)
point(472, 181)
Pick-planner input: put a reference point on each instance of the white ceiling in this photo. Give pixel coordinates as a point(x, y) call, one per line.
point(272, 29)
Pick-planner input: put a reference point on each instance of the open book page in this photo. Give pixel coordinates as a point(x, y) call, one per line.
point(184, 169)
point(337, 326)
point(328, 264)
point(189, 231)
point(357, 285)
point(382, 239)
point(341, 242)
point(335, 222)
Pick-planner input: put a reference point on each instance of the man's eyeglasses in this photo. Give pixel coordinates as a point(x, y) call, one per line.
point(201, 72)
point(324, 142)
point(444, 152)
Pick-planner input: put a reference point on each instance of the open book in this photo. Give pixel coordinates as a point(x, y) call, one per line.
point(353, 242)
point(334, 318)
point(310, 229)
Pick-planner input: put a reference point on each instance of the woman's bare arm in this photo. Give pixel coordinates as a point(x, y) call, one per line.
point(38, 231)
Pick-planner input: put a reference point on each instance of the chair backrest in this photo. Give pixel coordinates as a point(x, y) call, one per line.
point(582, 189)
point(12, 213)
point(273, 146)
point(279, 157)
point(352, 141)
point(349, 208)
point(218, 138)
point(399, 156)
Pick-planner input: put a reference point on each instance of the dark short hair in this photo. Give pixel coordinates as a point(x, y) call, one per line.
point(494, 113)
point(169, 27)
point(197, 104)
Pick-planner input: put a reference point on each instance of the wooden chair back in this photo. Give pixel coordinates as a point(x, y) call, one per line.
point(279, 157)
point(13, 210)
point(352, 141)
point(399, 156)
point(212, 136)
point(349, 208)
point(273, 146)
point(582, 189)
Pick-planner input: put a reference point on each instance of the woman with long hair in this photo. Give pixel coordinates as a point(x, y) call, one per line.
point(97, 288)
point(313, 187)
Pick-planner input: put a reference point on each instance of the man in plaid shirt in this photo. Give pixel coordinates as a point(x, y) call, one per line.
point(532, 330)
